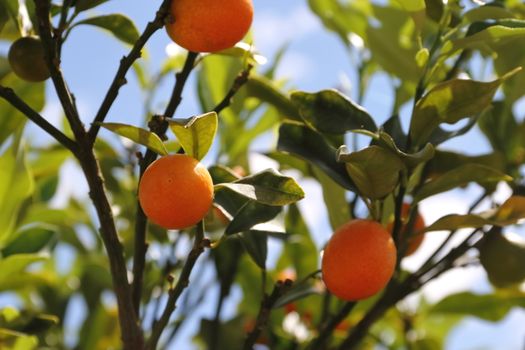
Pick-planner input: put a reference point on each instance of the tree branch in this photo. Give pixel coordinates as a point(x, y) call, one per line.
point(125, 64)
point(10, 96)
point(174, 293)
point(264, 312)
point(53, 61)
point(319, 343)
point(141, 245)
point(239, 81)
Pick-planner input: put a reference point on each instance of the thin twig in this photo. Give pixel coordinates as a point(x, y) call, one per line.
point(125, 64)
point(10, 96)
point(319, 343)
point(264, 312)
point(239, 81)
point(198, 248)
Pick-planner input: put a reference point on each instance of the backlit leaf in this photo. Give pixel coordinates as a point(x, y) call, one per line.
point(196, 134)
point(138, 135)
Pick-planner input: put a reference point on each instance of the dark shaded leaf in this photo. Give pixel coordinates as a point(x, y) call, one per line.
point(375, 170)
point(331, 112)
point(312, 147)
point(251, 214)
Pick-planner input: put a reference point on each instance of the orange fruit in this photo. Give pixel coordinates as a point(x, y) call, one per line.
point(27, 60)
point(209, 25)
point(176, 191)
point(358, 260)
point(419, 223)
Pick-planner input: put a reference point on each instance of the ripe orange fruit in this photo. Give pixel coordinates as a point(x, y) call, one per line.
point(27, 60)
point(176, 191)
point(209, 25)
point(359, 260)
point(419, 223)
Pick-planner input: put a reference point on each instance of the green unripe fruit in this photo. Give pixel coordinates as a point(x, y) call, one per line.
point(26, 58)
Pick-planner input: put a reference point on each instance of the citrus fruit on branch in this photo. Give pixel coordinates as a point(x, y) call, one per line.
point(359, 260)
point(209, 25)
point(176, 191)
point(27, 60)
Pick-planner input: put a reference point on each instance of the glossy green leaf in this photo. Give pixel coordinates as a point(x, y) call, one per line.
point(82, 5)
point(313, 148)
point(449, 102)
point(16, 185)
point(267, 187)
point(119, 25)
point(138, 135)
point(375, 170)
point(331, 112)
point(490, 307)
point(460, 176)
point(196, 134)
point(251, 214)
point(13, 269)
point(264, 90)
point(297, 292)
point(30, 240)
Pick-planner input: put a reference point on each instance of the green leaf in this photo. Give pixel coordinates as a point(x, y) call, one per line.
point(251, 214)
point(297, 292)
point(503, 258)
point(267, 187)
point(375, 170)
point(300, 251)
point(243, 50)
point(17, 341)
point(411, 160)
point(509, 213)
point(83, 5)
point(256, 245)
point(412, 5)
point(449, 102)
point(10, 118)
point(488, 11)
point(30, 240)
point(16, 185)
point(460, 176)
point(119, 25)
point(13, 268)
point(312, 147)
point(195, 134)
point(490, 307)
point(490, 37)
point(138, 135)
point(331, 112)
point(263, 89)
point(334, 199)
